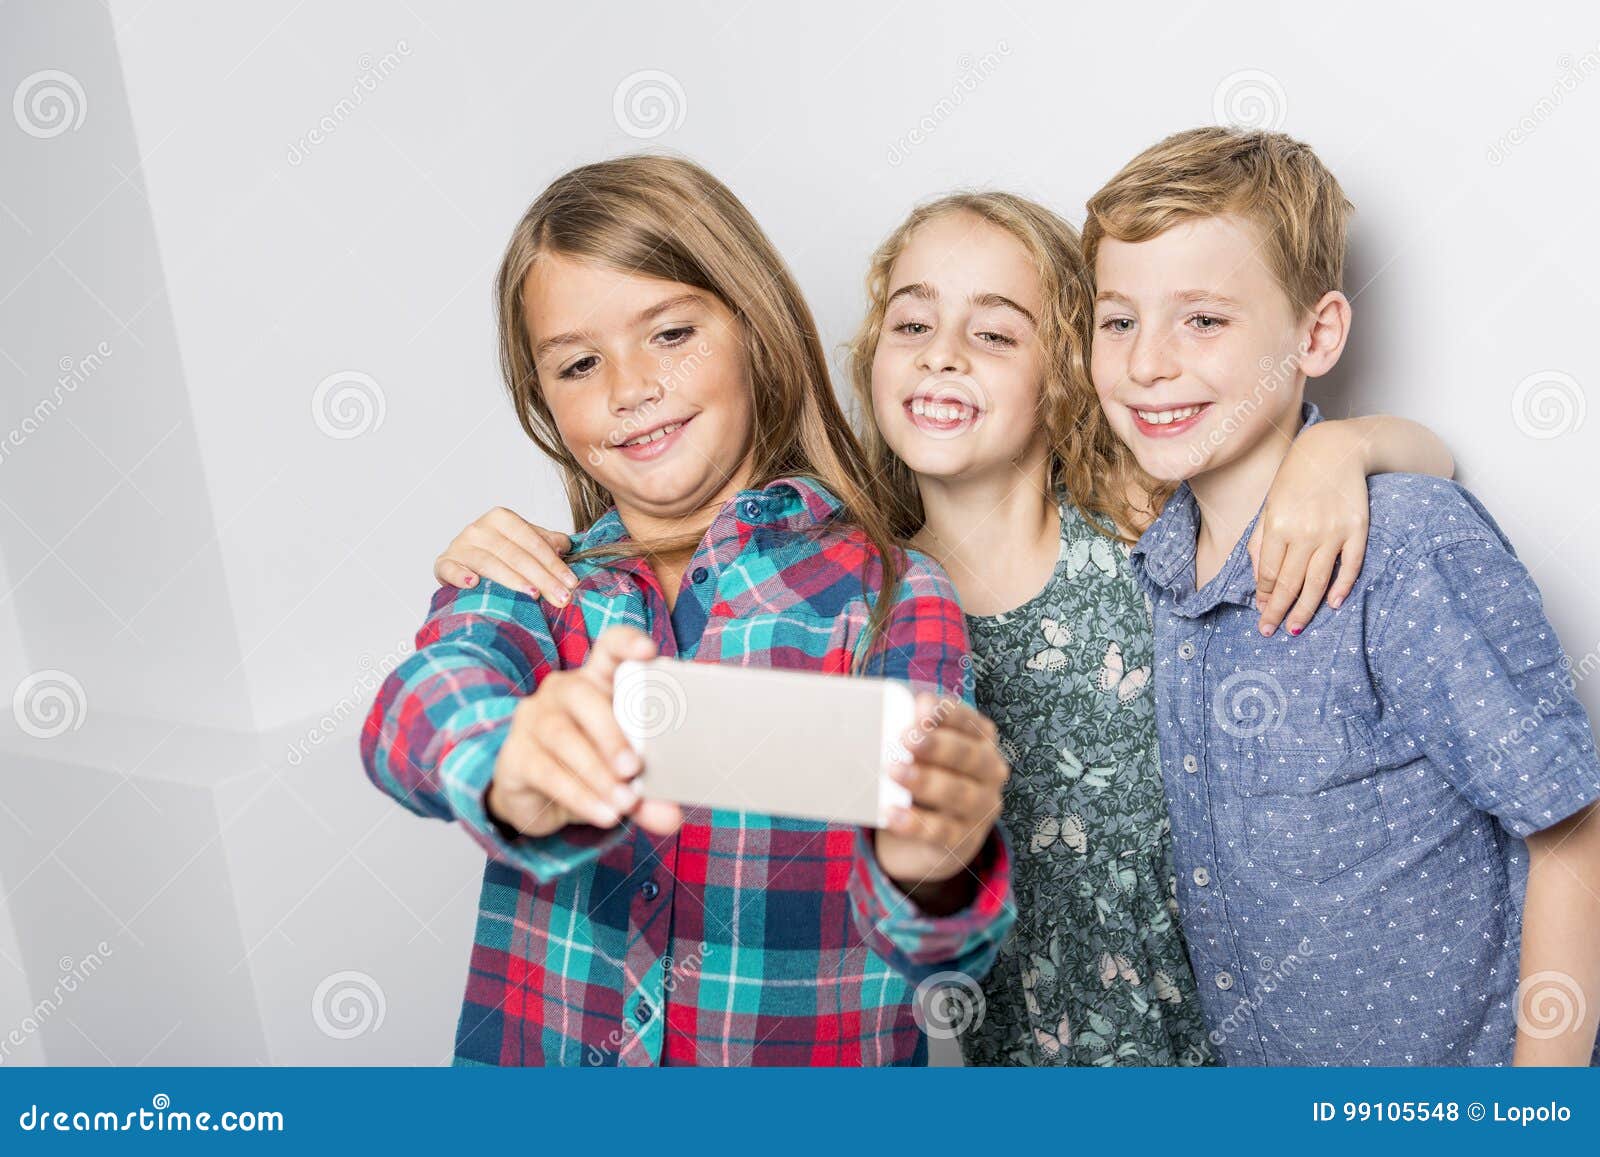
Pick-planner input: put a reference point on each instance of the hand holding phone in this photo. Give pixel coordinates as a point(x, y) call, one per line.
point(566, 760)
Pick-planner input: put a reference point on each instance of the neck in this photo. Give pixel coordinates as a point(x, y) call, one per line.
point(672, 536)
point(1230, 496)
point(987, 530)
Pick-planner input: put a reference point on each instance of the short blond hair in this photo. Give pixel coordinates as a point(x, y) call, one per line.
point(1269, 179)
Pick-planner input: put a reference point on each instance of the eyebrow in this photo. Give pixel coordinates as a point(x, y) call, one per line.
point(925, 292)
point(1181, 295)
point(578, 336)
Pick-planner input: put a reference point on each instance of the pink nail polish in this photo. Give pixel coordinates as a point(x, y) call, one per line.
point(1295, 630)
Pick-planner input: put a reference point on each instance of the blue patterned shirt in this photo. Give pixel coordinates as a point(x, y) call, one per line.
point(1349, 806)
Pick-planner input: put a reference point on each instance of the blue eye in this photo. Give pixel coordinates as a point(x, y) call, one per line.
point(907, 327)
point(1212, 322)
point(1112, 324)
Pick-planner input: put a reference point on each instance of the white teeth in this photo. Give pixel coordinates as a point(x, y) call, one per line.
point(940, 411)
point(656, 436)
point(1167, 417)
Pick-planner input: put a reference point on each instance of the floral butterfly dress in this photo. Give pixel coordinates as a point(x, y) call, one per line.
point(1095, 971)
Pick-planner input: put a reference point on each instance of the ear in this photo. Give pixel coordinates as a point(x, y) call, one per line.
point(1329, 330)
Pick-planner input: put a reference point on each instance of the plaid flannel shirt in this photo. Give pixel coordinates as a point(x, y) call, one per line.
point(743, 938)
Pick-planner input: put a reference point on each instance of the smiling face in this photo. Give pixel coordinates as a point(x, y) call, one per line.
point(957, 371)
point(647, 382)
point(1198, 351)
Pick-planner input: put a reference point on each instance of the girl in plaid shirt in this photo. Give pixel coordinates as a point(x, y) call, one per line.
point(657, 349)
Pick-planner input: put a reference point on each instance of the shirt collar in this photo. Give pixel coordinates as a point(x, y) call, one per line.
point(798, 502)
point(1164, 555)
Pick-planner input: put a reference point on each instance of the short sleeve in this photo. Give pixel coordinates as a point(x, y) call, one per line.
point(1472, 669)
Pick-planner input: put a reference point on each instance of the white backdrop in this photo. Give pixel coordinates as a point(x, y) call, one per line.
point(249, 391)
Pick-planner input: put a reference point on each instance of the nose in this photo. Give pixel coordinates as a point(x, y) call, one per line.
point(943, 353)
point(636, 385)
point(1151, 360)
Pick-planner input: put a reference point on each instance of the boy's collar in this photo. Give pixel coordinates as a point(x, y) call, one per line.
point(797, 502)
point(1165, 553)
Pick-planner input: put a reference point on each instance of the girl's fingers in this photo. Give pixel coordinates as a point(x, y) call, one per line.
point(929, 827)
point(960, 753)
point(942, 790)
point(1267, 558)
point(448, 572)
point(1318, 572)
point(575, 774)
point(613, 646)
point(1288, 578)
point(1350, 560)
point(545, 546)
point(590, 710)
point(509, 565)
point(658, 817)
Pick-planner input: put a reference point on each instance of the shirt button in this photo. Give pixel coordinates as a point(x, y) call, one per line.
point(1224, 980)
point(1191, 764)
point(752, 508)
point(1185, 650)
point(642, 1012)
point(650, 889)
point(1202, 877)
point(699, 574)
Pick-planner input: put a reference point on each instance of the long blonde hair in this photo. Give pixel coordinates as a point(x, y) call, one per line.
point(1086, 458)
point(666, 217)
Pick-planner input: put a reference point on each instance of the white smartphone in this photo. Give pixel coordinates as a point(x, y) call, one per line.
point(783, 743)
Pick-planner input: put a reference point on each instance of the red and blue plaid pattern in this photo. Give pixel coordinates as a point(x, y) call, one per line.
point(742, 939)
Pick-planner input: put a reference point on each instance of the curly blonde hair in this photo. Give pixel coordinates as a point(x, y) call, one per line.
point(1086, 458)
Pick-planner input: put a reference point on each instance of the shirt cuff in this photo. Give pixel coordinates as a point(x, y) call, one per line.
point(919, 944)
point(467, 772)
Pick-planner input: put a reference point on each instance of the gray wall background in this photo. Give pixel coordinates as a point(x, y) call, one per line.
point(247, 391)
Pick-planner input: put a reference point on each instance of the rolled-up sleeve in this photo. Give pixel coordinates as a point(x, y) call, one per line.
point(1469, 663)
point(925, 645)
